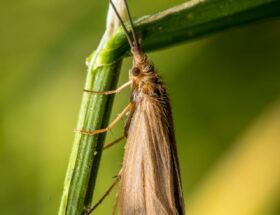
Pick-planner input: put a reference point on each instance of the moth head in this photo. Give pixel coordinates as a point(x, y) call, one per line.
point(143, 70)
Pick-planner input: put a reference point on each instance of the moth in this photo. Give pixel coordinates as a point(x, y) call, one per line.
point(149, 180)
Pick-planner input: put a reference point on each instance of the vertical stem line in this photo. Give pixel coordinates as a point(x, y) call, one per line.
point(103, 74)
point(87, 150)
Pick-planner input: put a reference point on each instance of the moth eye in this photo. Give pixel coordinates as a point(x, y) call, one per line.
point(149, 68)
point(135, 71)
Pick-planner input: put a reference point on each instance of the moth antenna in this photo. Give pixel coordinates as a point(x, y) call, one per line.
point(131, 23)
point(122, 23)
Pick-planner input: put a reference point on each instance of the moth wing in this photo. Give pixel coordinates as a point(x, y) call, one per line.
point(150, 178)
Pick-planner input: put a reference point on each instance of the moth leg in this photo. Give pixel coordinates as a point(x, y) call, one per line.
point(115, 205)
point(110, 126)
point(111, 91)
point(88, 211)
point(113, 143)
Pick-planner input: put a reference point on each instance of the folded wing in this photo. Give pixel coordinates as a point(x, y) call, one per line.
point(150, 178)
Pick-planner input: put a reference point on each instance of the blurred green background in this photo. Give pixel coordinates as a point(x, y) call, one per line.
point(224, 89)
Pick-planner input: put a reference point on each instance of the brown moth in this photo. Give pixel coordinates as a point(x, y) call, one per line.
point(150, 176)
point(149, 181)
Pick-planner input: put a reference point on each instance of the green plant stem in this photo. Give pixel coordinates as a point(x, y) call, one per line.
point(182, 23)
